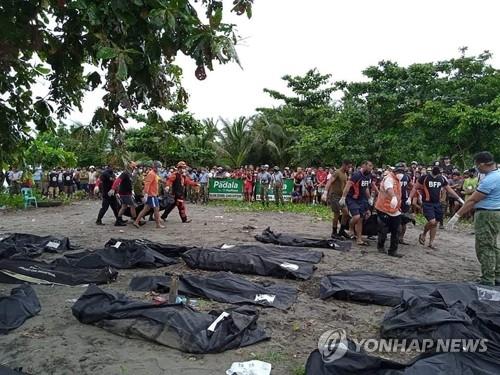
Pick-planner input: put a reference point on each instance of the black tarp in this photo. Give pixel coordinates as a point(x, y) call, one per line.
point(7, 371)
point(370, 224)
point(422, 310)
point(431, 317)
point(177, 326)
point(253, 260)
point(121, 258)
point(222, 287)
point(14, 271)
point(360, 363)
point(268, 236)
point(30, 245)
point(15, 309)
point(168, 250)
point(382, 289)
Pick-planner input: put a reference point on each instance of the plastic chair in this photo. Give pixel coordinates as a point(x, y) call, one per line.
point(28, 197)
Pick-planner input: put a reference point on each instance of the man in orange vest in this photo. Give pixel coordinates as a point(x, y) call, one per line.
point(389, 213)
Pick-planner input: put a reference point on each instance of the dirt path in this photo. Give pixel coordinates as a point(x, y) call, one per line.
point(54, 342)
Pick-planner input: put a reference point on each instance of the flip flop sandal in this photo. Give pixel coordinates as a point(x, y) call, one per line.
point(403, 242)
point(421, 239)
point(350, 236)
point(136, 225)
point(432, 247)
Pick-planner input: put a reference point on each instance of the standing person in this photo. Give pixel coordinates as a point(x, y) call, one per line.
point(68, 182)
point(431, 185)
point(37, 178)
point(321, 180)
point(77, 179)
point(264, 179)
point(406, 186)
point(108, 197)
point(278, 181)
point(486, 201)
point(176, 183)
point(248, 185)
point(204, 180)
point(15, 177)
point(309, 181)
point(92, 181)
point(470, 184)
point(53, 185)
point(359, 200)
point(389, 215)
point(298, 176)
point(150, 196)
point(123, 186)
point(335, 188)
point(138, 183)
point(447, 166)
point(84, 180)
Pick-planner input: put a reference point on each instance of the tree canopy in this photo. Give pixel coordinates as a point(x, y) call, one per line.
point(126, 47)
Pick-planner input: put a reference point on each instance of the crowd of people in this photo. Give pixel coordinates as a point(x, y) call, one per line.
point(354, 193)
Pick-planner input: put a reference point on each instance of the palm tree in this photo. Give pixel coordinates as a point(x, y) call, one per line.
point(236, 141)
point(274, 137)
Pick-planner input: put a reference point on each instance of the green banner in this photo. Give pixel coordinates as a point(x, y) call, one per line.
point(232, 188)
point(225, 188)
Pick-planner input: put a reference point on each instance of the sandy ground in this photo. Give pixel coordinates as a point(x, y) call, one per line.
point(54, 342)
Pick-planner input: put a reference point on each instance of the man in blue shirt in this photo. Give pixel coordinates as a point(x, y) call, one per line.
point(486, 201)
point(203, 178)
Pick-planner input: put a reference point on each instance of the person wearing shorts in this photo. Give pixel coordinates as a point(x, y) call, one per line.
point(53, 185)
point(123, 185)
point(151, 196)
point(358, 198)
point(334, 189)
point(430, 185)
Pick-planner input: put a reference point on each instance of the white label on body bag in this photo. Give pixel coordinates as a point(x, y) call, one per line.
point(265, 297)
point(53, 244)
point(289, 266)
point(117, 244)
point(213, 326)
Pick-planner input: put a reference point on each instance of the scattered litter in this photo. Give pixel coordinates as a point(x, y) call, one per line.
point(121, 231)
point(253, 367)
point(249, 227)
point(33, 220)
point(72, 300)
point(219, 217)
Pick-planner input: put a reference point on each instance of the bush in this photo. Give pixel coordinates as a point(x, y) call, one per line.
point(11, 201)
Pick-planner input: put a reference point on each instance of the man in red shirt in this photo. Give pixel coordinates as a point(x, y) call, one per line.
point(321, 180)
point(176, 183)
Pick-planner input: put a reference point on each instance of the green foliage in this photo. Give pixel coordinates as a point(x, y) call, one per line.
point(236, 141)
point(11, 201)
point(40, 152)
point(421, 112)
point(131, 46)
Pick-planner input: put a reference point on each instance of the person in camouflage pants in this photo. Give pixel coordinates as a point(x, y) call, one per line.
point(278, 182)
point(486, 201)
point(487, 229)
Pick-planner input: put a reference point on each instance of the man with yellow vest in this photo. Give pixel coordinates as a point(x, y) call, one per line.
point(389, 213)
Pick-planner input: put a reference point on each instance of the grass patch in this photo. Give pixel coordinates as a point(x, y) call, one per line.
point(317, 210)
point(272, 357)
point(298, 370)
